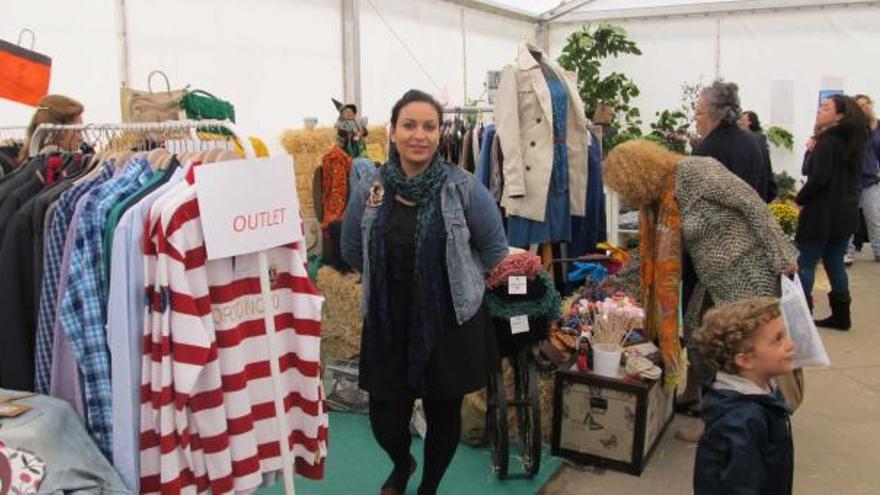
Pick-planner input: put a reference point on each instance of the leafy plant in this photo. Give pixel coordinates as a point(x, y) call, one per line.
point(780, 138)
point(785, 185)
point(671, 130)
point(584, 52)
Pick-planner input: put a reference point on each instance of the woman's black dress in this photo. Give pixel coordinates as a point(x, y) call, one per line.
point(460, 358)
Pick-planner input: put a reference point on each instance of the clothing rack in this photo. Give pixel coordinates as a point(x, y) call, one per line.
point(14, 132)
point(171, 130)
point(460, 110)
point(155, 130)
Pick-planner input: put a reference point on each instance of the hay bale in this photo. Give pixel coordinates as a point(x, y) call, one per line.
point(341, 316)
point(308, 146)
point(473, 410)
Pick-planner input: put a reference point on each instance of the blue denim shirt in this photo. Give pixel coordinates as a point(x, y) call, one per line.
point(475, 238)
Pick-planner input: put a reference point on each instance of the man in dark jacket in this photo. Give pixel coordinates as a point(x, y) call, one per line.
point(718, 112)
point(747, 447)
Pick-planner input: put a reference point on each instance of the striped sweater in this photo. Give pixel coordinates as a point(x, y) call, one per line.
point(208, 420)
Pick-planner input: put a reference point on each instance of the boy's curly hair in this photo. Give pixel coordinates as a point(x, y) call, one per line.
point(729, 330)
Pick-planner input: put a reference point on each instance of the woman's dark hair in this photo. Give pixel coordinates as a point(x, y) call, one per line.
point(415, 96)
point(754, 121)
point(854, 125)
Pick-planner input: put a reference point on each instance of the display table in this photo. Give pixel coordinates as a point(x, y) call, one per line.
point(609, 422)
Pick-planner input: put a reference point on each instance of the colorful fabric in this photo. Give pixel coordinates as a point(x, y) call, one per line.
point(52, 257)
point(335, 167)
point(209, 425)
point(20, 471)
point(660, 245)
point(82, 309)
point(520, 264)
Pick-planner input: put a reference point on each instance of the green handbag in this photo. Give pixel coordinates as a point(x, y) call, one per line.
point(201, 105)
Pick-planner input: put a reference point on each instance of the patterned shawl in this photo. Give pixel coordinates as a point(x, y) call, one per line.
point(660, 246)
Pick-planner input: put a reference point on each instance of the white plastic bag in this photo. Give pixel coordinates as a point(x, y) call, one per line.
point(808, 347)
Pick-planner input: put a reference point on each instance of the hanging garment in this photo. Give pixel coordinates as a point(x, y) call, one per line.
point(523, 232)
point(336, 165)
point(81, 307)
point(125, 319)
point(53, 255)
point(483, 165)
point(216, 336)
point(590, 230)
point(524, 122)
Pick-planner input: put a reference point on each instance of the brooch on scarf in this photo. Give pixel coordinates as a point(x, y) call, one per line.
point(377, 194)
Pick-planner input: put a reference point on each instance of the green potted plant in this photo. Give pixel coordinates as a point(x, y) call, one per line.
point(609, 95)
point(780, 138)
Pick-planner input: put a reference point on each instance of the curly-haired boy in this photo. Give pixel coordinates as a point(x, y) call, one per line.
point(747, 445)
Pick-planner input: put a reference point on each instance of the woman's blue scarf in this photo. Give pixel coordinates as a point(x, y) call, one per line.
point(427, 316)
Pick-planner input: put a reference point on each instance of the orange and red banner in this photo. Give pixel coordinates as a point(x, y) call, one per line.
point(24, 74)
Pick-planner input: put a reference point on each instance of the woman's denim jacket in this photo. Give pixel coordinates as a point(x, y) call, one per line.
point(475, 238)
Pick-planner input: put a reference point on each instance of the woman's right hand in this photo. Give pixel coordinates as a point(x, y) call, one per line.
point(811, 143)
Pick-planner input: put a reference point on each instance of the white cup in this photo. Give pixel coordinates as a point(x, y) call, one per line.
point(606, 359)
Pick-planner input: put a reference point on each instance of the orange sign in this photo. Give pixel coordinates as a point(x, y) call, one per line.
point(24, 74)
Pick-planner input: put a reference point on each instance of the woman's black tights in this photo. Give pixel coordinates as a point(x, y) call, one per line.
point(390, 422)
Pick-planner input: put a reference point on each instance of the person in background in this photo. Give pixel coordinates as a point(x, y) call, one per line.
point(694, 208)
point(829, 202)
point(716, 118)
point(869, 197)
point(750, 123)
point(747, 446)
point(423, 233)
point(54, 109)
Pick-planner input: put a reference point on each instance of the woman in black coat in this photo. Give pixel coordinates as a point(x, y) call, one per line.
point(830, 202)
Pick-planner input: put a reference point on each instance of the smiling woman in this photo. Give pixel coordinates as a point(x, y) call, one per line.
point(424, 234)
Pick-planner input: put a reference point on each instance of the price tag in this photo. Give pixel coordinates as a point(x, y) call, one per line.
point(516, 285)
point(519, 324)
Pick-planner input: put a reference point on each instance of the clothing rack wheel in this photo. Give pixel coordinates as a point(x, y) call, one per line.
point(496, 422)
point(527, 403)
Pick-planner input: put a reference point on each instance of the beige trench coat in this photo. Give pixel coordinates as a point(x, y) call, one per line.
point(524, 124)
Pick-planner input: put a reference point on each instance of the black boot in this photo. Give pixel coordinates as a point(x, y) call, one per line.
point(840, 315)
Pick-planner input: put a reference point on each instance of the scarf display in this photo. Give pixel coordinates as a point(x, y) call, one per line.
point(525, 264)
point(548, 304)
point(427, 314)
point(660, 245)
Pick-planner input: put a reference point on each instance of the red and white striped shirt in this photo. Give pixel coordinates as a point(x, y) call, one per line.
point(208, 419)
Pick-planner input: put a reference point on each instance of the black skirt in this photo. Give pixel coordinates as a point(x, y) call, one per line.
point(463, 353)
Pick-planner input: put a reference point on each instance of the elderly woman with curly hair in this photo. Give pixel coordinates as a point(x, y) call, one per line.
point(705, 238)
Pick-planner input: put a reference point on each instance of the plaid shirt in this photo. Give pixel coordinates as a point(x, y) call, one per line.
point(82, 310)
point(52, 255)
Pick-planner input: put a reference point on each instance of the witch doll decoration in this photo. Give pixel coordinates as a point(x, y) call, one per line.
point(350, 131)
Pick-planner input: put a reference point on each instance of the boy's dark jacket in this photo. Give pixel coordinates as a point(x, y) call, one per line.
point(747, 446)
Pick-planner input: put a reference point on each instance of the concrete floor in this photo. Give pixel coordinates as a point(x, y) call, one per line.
point(836, 429)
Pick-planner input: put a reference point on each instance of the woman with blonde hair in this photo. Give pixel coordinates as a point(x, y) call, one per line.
point(705, 238)
point(54, 109)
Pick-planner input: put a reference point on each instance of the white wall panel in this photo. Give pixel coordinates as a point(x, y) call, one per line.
point(276, 60)
point(756, 50)
point(432, 31)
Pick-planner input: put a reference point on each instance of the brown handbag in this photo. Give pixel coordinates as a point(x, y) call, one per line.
point(147, 106)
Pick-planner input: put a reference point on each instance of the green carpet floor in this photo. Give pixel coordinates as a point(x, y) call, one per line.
point(357, 465)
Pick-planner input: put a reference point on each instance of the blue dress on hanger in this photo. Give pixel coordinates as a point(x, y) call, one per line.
point(556, 227)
